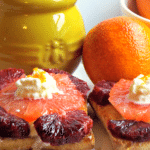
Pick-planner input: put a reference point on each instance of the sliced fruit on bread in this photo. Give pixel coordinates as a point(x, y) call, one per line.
point(125, 134)
point(59, 123)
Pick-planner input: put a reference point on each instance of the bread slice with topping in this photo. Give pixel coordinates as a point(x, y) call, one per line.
point(59, 122)
point(125, 134)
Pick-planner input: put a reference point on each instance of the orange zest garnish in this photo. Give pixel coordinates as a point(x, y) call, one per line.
point(38, 74)
point(145, 78)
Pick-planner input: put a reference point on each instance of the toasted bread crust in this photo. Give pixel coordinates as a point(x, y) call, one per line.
point(108, 112)
point(35, 143)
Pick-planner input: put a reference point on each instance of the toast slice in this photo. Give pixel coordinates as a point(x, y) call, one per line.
point(56, 132)
point(105, 112)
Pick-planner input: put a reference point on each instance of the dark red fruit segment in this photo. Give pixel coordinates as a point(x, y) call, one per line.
point(9, 75)
point(12, 126)
point(137, 131)
point(2, 111)
point(56, 71)
point(58, 130)
point(100, 93)
point(80, 84)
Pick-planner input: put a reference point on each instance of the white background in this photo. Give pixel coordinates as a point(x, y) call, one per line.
point(93, 12)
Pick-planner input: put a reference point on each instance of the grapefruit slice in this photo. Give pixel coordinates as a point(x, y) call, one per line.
point(30, 109)
point(129, 110)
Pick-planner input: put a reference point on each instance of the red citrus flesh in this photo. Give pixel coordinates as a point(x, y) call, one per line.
point(129, 110)
point(31, 109)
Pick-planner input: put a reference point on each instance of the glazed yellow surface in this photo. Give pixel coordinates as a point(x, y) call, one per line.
point(55, 4)
point(45, 38)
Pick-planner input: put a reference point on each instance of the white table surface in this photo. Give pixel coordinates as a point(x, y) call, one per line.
point(93, 12)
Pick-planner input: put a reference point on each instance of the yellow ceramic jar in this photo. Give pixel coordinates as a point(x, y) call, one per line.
point(41, 33)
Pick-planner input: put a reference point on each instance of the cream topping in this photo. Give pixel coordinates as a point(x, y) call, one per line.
point(139, 91)
point(38, 85)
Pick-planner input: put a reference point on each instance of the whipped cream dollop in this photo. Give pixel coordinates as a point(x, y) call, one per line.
point(139, 91)
point(39, 84)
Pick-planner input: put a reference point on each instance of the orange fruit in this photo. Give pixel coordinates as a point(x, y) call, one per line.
point(143, 8)
point(30, 109)
point(129, 110)
point(117, 48)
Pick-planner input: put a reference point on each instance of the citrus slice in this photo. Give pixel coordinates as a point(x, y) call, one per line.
point(129, 110)
point(31, 109)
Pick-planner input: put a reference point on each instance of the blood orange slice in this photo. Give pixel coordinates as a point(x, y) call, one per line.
point(30, 109)
point(129, 110)
point(9, 76)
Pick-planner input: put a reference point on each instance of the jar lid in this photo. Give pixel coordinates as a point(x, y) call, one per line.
point(41, 4)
